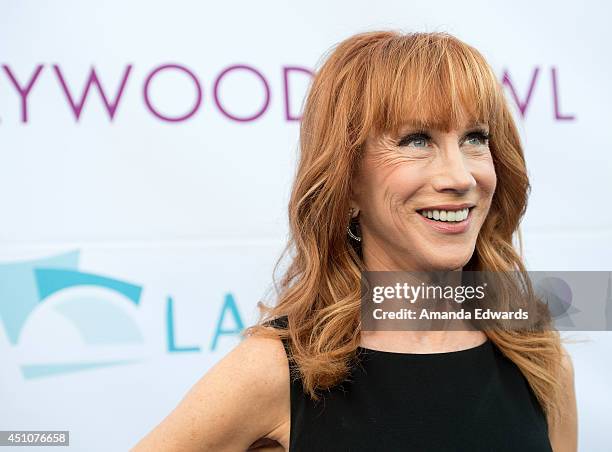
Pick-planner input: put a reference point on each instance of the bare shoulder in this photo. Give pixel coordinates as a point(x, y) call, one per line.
point(242, 398)
point(564, 434)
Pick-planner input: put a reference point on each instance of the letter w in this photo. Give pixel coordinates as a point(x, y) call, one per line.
point(77, 107)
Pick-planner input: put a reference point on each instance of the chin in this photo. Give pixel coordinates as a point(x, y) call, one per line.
point(447, 264)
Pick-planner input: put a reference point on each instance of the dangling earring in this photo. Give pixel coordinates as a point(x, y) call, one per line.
point(353, 214)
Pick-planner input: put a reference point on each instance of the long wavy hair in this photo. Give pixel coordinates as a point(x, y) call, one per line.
point(374, 82)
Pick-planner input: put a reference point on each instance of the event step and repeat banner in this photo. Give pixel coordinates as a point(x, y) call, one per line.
point(147, 151)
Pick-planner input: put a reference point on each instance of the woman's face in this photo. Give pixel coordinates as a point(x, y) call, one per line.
point(423, 172)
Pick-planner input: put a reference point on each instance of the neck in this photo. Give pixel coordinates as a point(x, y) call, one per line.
point(376, 259)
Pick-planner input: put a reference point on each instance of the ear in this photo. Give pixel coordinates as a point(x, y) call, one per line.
point(355, 188)
point(353, 204)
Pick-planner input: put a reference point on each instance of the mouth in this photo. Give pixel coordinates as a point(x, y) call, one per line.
point(447, 214)
point(447, 219)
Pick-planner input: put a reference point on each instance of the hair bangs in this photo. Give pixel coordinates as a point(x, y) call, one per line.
point(434, 84)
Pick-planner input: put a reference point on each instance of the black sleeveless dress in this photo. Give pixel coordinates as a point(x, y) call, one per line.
point(469, 400)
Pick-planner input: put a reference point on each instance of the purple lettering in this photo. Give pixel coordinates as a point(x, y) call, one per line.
point(23, 92)
point(521, 105)
point(147, 100)
point(286, 70)
point(77, 108)
point(558, 114)
point(225, 112)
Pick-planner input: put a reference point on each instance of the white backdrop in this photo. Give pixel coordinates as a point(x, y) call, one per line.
point(134, 248)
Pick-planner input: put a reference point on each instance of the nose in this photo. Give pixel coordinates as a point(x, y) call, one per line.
point(452, 172)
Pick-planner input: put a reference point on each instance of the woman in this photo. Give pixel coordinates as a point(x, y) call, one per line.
point(410, 160)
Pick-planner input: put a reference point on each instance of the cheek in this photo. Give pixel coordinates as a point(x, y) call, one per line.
point(407, 178)
point(486, 177)
point(398, 185)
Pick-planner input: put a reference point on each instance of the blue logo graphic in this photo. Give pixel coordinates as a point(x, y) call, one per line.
point(62, 303)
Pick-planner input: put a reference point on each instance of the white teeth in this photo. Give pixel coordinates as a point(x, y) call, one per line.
point(446, 215)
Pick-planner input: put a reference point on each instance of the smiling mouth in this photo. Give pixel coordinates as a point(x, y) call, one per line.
point(447, 216)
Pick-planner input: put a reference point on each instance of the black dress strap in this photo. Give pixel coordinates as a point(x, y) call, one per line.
point(278, 322)
point(282, 323)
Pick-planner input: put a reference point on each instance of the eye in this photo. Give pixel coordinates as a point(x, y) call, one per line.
point(481, 136)
point(418, 137)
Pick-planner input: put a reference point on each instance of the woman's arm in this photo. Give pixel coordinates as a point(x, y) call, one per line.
point(243, 398)
point(564, 435)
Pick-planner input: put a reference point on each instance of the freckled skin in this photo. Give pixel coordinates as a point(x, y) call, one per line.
point(394, 181)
